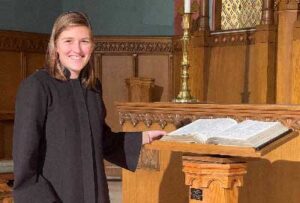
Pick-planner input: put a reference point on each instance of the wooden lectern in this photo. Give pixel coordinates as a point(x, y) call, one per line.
point(216, 176)
point(200, 173)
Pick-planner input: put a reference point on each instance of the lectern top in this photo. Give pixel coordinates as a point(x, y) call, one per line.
point(210, 149)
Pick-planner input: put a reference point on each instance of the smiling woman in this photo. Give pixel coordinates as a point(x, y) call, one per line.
point(60, 135)
point(71, 42)
point(74, 47)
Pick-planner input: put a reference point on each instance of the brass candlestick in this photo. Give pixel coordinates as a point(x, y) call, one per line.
point(184, 95)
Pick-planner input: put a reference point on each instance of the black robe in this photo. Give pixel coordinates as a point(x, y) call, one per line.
point(60, 141)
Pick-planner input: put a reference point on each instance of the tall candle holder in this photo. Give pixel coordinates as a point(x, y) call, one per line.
point(184, 95)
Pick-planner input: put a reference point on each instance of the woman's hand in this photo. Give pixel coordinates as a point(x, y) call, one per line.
point(149, 136)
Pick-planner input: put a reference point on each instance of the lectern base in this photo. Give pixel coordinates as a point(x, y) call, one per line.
point(213, 179)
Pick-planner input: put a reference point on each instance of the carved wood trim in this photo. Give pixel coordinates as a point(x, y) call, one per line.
point(136, 45)
point(34, 42)
point(201, 175)
point(224, 38)
point(233, 38)
point(23, 41)
point(172, 113)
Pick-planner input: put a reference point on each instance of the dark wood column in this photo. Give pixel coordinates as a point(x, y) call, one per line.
point(216, 15)
point(267, 16)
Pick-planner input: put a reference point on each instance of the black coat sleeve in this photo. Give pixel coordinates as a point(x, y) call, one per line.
point(30, 115)
point(122, 149)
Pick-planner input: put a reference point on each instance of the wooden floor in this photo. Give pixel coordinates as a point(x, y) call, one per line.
point(115, 191)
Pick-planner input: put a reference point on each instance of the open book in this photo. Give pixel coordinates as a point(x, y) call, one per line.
point(227, 131)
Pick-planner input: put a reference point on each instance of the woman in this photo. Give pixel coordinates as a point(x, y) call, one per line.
point(60, 136)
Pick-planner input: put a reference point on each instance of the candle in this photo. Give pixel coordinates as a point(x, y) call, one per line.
point(187, 6)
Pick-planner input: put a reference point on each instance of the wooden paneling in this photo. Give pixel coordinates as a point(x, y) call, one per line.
point(114, 71)
point(20, 54)
point(10, 77)
point(231, 67)
point(286, 20)
point(296, 64)
point(226, 73)
point(262, 68)
point(119, 58)
point(156, 67)
point(200, 55)
point(6, 128)
point(151, 186)
point(34, 61)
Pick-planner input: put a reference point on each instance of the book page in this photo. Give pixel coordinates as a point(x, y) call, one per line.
point(249, 133)
point(268, 135)
point(201, 129)
point(246, 129)
point(187, 138)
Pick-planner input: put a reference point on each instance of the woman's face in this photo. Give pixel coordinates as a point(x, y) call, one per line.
point(74, 47)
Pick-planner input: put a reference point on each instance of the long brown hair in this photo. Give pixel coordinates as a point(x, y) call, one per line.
point(53, 65)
